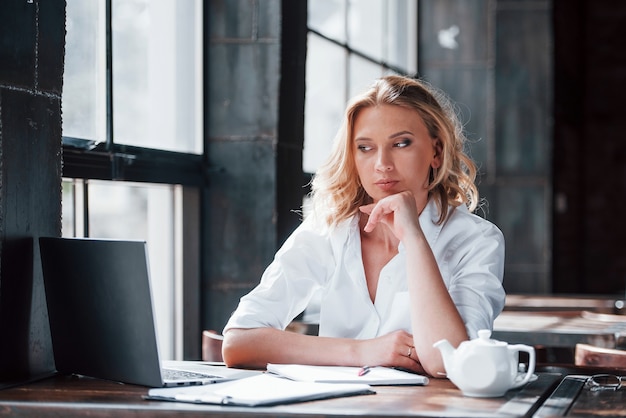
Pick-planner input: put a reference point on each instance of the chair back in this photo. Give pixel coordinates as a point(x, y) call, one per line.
point(590, 355)
point(212, 346)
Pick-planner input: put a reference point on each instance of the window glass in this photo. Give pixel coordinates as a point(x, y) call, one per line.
point(157, 73)
point(84, 97)
point(328, 17)
point(133, 211)
point(367, 27)
point(325, 99)
point(363, 73)
point(72, 208)
point(157, 70)
point(401, 47)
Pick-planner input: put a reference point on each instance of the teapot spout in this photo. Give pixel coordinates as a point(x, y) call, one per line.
point(447, 353)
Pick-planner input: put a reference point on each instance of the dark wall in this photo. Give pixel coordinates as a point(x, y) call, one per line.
point(243, 78)
point(589, 147)
point(255, 134)
point(541, 85)
point(499, 73)
point(32, 37)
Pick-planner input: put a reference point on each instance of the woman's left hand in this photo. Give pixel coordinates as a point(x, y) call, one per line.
point(395, 349)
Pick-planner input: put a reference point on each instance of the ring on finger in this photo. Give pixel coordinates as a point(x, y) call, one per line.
point(410, 351)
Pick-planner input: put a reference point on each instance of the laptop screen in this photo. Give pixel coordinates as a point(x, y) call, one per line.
point(100, 309)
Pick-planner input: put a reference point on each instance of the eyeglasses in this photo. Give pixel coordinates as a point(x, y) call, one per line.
point(599, 382)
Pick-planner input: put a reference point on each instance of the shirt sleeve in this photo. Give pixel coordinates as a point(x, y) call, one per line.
point(476, 265)
point(300, 267)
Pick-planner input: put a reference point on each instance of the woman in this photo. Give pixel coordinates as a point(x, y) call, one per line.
point(391, 244)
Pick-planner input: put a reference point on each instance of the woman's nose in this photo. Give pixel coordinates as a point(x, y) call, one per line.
point(383, 161)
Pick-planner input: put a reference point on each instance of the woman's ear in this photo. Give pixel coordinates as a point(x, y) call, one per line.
point(438, 153)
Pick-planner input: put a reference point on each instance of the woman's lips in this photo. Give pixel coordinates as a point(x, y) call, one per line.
point(386, 185)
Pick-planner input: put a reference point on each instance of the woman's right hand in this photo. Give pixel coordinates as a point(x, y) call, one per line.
point(398, 212)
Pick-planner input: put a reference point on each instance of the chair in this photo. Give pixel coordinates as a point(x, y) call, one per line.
point(590, 355)
point(212, 346)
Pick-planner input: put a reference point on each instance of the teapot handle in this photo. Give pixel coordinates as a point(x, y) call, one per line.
point(531, 363)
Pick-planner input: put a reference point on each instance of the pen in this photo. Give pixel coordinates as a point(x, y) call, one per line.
point(364, 370)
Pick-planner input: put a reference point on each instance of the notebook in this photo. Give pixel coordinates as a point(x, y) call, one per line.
point(262, 390)
point(101, 315)
point(346, 374)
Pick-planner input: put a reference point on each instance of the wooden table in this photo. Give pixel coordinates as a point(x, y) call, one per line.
point(561, 328)
point(66, 396)
point(555, 324)
point(546, 303)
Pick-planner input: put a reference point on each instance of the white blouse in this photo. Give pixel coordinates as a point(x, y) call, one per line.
point(320, 260)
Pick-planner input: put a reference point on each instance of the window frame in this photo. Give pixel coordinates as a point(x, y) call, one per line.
point(85, 159)
point(350, 52)
point(131, 163)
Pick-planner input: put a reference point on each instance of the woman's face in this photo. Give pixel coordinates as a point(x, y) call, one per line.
point(393, 151)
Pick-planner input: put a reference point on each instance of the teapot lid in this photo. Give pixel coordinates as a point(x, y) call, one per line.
point(484, 339)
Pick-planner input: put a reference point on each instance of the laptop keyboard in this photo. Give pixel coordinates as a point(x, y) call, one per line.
point(173, 374)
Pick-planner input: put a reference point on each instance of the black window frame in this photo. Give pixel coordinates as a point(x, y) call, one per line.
point(108, 161)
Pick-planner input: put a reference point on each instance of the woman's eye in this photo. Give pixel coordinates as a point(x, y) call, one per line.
point(364, 148)
point(403, 143)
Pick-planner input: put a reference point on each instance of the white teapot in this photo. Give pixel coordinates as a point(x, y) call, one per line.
point(483, 367)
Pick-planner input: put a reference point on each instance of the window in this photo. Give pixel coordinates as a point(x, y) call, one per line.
point(350, 43)
point(132, 137)
point(156, 55)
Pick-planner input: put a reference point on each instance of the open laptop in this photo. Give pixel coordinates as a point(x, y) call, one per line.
point(101, 315)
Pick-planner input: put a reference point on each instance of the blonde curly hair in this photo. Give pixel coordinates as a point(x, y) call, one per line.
point(337, 192)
